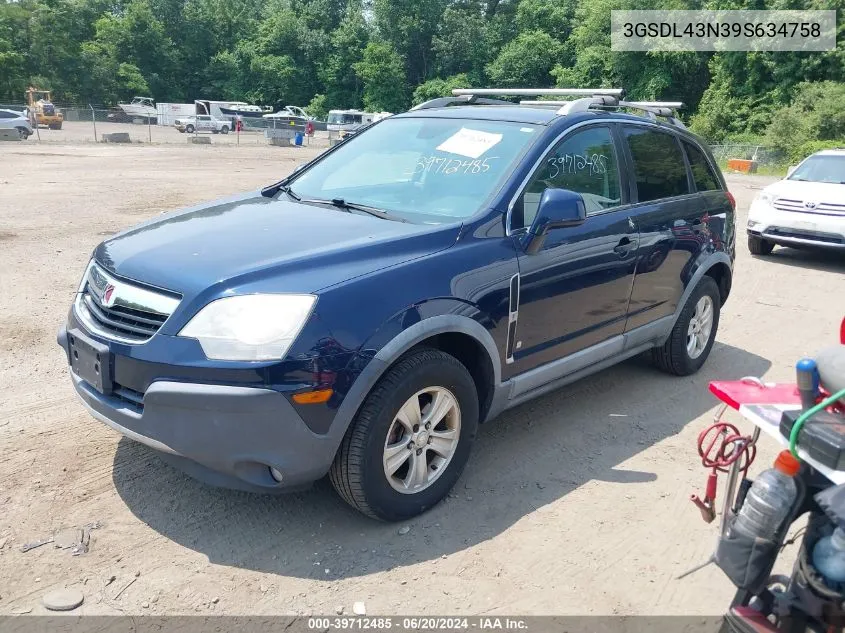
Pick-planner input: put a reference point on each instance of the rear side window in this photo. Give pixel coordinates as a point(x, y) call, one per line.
point(702, 172)
point(659, 166)
point(6, 115)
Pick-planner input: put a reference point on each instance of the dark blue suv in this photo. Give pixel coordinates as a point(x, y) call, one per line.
point(363, 316)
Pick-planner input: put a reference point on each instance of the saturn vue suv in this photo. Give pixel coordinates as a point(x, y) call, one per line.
point(360, 318)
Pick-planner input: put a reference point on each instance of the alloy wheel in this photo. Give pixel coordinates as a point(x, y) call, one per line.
point(700, 327)
point(422, 440)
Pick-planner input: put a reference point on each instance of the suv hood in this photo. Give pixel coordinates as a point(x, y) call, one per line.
point(808, 191)
point(249, 238)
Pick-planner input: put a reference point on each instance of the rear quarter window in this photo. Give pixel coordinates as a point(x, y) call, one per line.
point(659, 167)
point(702, 173)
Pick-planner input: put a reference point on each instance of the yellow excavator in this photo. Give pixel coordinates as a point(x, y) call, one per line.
point(41, 109)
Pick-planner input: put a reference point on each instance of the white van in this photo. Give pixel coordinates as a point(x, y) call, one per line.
point(348, 120)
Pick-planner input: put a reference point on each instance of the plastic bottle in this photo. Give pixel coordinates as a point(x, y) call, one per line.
point(829, 557)
point(769, 500)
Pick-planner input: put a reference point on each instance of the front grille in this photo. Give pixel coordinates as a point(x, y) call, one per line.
point(134, 399)
point(119, 310)
point(821, 208)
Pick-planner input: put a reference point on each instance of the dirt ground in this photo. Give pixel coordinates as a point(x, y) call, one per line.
point(575, 503)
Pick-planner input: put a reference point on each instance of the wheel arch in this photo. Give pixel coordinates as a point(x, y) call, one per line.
point(716, 265)
point(461, 336)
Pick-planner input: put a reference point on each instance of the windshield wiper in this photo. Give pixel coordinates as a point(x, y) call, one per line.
point(340, 203)
point(286, 189)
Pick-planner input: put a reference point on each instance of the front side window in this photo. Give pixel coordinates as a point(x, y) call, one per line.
point(702, 173)
point(659, 166)
point(585, 163)
point(821, 168)
point(421, 169)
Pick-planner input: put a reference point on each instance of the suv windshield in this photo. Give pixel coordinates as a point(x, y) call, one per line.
point(421, 169)
point(821, 168)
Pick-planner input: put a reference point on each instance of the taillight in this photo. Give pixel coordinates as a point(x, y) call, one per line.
point(842, 332)
point(731, 199)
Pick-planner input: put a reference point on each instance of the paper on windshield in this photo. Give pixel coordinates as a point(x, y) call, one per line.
point(469, 143)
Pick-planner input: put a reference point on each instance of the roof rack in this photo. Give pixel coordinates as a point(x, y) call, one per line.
point(653, 109)
point(528, 92)
point(600, 98)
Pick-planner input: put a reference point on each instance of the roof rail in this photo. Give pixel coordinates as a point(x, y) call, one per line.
point(529, 92)
point(664, 109)
point(443, 102)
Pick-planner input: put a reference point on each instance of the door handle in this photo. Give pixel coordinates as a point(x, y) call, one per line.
point(625, 246)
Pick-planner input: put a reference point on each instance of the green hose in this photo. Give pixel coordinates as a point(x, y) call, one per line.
point(796, 428)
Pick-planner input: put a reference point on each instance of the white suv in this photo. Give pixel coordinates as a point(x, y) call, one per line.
point(13, 120)
point(807, 208)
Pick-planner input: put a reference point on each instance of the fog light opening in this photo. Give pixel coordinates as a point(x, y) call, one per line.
point(276, 474)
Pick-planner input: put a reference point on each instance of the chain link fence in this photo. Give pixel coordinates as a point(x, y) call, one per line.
point(761, 154)
point(84, 124)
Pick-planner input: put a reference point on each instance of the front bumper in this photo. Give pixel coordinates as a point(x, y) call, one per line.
point(793, 227)
point(228, 436)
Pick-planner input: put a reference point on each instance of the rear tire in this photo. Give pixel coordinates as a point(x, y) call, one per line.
point(692, 337)
point(759, 246)
point(381, 433)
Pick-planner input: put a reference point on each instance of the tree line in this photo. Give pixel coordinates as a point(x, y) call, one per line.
point(390, 54)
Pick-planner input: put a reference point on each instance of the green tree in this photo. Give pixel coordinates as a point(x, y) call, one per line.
point(341, 84)
point(383, 73)
point(13, 43)
point(318, 108)
point(434, 88)
point(459, 45)
point(550, 16)
point(409, 26)
point(527, 61)
point(815, 115)
point(136, 38)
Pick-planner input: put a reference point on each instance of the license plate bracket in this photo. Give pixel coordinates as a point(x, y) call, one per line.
point(90, 360)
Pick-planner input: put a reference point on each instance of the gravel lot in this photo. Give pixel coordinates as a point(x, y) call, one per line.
point(576, 503)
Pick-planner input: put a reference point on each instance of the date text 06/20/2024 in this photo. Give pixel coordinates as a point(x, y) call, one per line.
point(416, 623)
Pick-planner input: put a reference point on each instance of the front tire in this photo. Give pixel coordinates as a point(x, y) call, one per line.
point(189, 129)
point(224, 130)
point(759, 246)
point(411, 439)
point(23, 133)
point(694, 332)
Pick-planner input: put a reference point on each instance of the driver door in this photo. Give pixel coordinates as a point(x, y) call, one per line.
point(574, 292)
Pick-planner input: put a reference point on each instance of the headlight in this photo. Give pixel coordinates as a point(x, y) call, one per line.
point(250, 327)
point(768, 198)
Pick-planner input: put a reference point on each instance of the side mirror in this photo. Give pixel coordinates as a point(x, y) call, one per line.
point(558, 208)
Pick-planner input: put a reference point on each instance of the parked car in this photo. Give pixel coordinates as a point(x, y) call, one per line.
point(807, 208)
point(361, 317)
point(202, 123)
point(14, 120)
